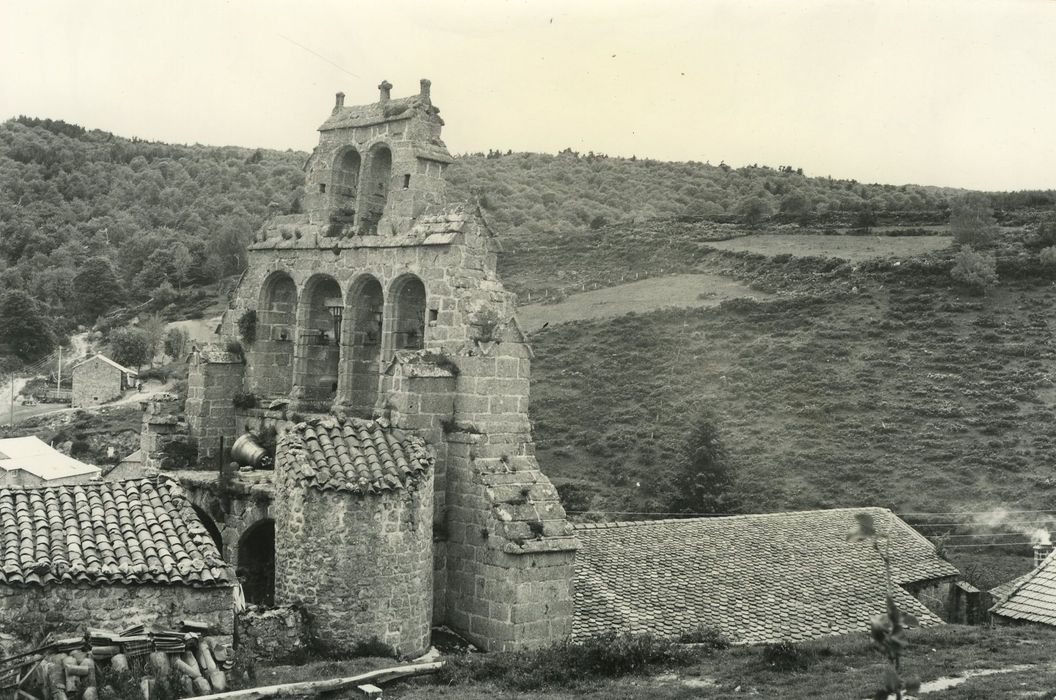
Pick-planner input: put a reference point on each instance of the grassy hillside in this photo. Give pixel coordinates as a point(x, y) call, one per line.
point(872, 383)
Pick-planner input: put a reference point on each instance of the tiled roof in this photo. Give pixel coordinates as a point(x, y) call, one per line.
point(108, 361)
point(756, 578)
point(1031, 597)
point(351, 454)
point(127, 532)
point(378, 112)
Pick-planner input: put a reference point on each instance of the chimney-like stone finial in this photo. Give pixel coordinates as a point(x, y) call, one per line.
point(426, 84)
point(385, 89)
point(339, 101)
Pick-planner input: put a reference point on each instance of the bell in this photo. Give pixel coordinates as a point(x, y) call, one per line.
point(247, 451)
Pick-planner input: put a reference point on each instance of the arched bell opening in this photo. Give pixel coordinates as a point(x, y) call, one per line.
point(319, 342)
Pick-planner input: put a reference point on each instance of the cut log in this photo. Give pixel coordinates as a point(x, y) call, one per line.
point(201, 686)
point(314, 688)
point(159, 661)
point(119, 663)
point(218, 680)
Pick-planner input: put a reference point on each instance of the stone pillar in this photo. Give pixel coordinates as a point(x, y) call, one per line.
point(214, 377)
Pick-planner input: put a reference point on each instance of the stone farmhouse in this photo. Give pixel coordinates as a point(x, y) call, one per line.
point(372, 335)
point(29, 461)
point(107, 554)
point(98, 380)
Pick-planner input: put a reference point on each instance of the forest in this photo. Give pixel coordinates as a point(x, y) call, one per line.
point(91, 222)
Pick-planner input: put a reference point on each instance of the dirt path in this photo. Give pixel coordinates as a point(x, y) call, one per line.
point(636, 297)
point(151, 388)
point(851, 248)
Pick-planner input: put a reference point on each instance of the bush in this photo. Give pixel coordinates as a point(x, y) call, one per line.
point(708, 637)
point(566, 663)
point(786, 656)
point(247, 326)
point(976, 271)
point(244, 399)
point(1047, 256)
point(179, 454)
point(972, 221)
point(177, 341)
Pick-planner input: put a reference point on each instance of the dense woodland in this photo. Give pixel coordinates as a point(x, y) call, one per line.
point(91, 222)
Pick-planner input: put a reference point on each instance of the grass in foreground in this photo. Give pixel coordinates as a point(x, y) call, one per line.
point(834, 669)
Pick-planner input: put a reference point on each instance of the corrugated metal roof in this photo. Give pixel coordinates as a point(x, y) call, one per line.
point(33, 455)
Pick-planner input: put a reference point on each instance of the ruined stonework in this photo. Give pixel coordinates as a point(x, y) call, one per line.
point(382, 301)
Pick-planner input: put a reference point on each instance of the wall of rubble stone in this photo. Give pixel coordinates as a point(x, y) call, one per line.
point(268, 634)
point(360, 565)
point(27, 611)
point(95, 382)
point(210, 411)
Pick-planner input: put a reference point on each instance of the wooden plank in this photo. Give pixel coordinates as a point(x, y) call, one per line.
point(310, 688)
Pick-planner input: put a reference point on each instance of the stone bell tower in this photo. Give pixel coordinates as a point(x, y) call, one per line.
point(377, 166)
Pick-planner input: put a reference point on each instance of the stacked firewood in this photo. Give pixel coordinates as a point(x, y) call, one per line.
point(86, 668)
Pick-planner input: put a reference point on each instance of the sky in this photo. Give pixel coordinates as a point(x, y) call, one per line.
point(959, 93)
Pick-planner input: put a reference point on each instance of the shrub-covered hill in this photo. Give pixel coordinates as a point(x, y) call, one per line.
point(160, 214)
point(876, 383)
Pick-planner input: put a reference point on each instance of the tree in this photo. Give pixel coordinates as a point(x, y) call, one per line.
point(96, 289)
point(704, 479)
point(23, 329)
point(976, 271)
point(130, 347)
point(754, 209)
point(154, 328)
point(176, 342)
point(972, 221)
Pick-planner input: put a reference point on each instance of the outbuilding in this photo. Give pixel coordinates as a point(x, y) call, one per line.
point(98, 380)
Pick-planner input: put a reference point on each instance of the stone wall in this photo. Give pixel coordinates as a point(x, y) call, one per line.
point(158, 431)
point(270, 634)
point(26, 612)
point(360, 566)
point(211, 387)
point(96, 382)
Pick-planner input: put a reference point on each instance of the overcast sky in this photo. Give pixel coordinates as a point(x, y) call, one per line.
point(959, 93)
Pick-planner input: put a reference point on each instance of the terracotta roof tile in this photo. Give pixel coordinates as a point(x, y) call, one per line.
point(1031, 596)
point(135, 532)
point(756, 578)
point(350, 454)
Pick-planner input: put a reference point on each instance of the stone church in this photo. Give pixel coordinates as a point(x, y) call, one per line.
point(371, 336)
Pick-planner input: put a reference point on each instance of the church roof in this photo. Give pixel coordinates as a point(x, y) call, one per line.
point(336, 453)
point(755, 578)
point(141, 531)
point(377, 113)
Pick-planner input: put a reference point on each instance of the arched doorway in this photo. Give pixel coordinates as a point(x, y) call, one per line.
point(344, 186)
point(319, 341)
point(407, 308)
point(366, 304)
point(375, 190)
point(211, 528)
point(276, 323)
point(256, 563)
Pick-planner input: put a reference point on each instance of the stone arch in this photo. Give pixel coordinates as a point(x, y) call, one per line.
point(256, 562)
point(211, 527)
point(318, 352)
point(365, 311)
point(406, 307)
point(375, 185)
point(344, 185)
point(273, 350)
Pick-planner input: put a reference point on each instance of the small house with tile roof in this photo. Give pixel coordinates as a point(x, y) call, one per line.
point(755, 578)
point(107, 554)
point(381, 302)
point(98, 380)
point(1028, 598)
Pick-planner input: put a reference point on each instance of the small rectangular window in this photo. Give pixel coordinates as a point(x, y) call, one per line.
point(322, 187)
point(406, 181)
point(434, 314)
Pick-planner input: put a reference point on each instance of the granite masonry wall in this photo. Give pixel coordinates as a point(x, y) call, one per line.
point(27, 611)
point(269, 634)
point(362, 566)
point(211, 386)
point(95, 382)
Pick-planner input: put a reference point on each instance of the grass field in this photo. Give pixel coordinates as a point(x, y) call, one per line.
point(845, 668)
point(850, 248)
point(683, 291)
